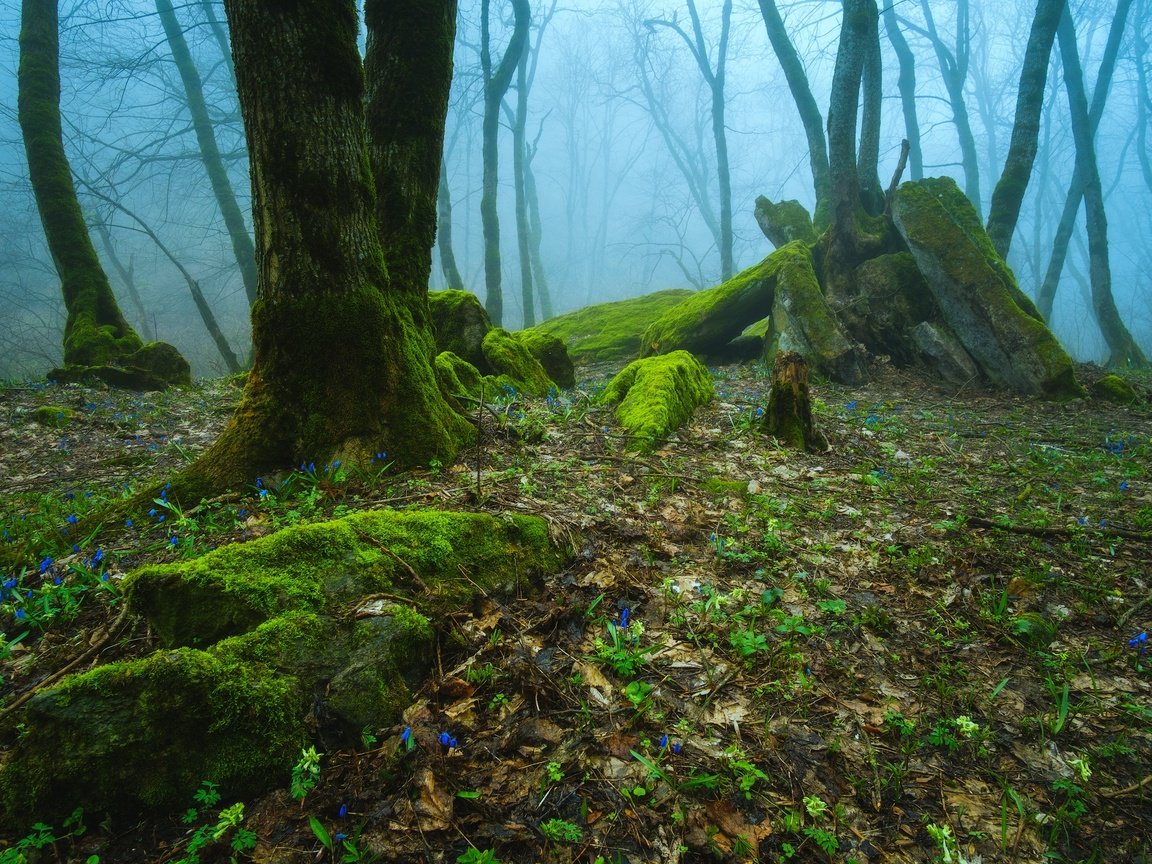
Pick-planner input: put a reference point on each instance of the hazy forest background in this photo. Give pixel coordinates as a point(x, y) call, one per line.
point(618, 140)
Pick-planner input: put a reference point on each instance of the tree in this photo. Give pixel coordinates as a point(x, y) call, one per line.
point(1009, 193)
point(906, 83)
point(340, 369)
point(209, 151)
point(496, 84)
point(1123, 350)
point(97, 338)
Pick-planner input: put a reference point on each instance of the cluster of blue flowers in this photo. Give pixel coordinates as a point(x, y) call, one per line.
point(447, 741)
point(664, 744)
point(1139, 644)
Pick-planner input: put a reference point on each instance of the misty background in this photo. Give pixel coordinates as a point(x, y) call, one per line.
point(621, 147)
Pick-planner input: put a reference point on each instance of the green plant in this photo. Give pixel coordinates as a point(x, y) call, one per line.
point(476, 856)
point(226, 821)
point(305, 773)
point(561, 831)
point(553, 773)
point(747, 642)
point(637, 693)
point(340, 844)
point(622, 651)
point(41, 836)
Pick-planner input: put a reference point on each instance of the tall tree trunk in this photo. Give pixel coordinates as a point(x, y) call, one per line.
point(95, 331)
point(340, 365)
point(127, 276)
point(1142, 97)
point(220, 34)
point(1067, 224)
point(519, 145)
point(810, 116)
point(868, 158)
point(1009, 193)
point(536, 235)
point(496, 83)
point(242, 247)
point(1124, 352)
point(907, 86)
point(444, 233)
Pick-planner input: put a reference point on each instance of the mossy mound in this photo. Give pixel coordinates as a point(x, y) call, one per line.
point(610, 331)
point(507, 356)
point(291, 641)
point(1113, 388)
point(52, 416)
point(784, 222)
point(976, 293)
point(456, 376)
point(155, 366)
point(657, 395)
point(459, 324)
point(551, 353)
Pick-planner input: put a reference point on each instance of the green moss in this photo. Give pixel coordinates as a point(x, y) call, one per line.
point(609, 331)
point(457, 376)
point(1112, 388)
point(52, 416)
point(507, 356)
point(784, 222)
point(658, 395)
point(552, 354)
point(460, 324)
point(725, 488)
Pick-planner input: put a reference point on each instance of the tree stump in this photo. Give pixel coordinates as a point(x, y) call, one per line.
point(789, 414)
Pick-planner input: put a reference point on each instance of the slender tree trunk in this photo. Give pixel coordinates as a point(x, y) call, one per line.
point(209, 152)
point(1142, 97)
point(1009, 194)
point(842, 111)
point(1124, 352)
point(340, 365)
point(95, 331)
point(868, 158)
point(1067, 224)
point(810, 116)
point(127, 276)
point(220, 34)
point(907, 86)
point(519, 145)
point(496, 83)
point(444, 233)
point(536, 236)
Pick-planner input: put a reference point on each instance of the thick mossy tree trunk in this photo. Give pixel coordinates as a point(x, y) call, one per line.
point(341, 367)
point(242, 247)
point(97, 338)
point(1009, 193)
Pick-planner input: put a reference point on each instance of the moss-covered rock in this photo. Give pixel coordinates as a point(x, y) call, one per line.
point(802, 320)
point(784, 222)
point(155, 366)
point(941, 352)
point(460, 324)
point(507, 356)
point(456, 376)
point(53, 416)
point(1110, 388)
point(552, 354)
point(657, 395)
point(265, 644)
point(610, 331)
point(890, 299)
point(974, 292)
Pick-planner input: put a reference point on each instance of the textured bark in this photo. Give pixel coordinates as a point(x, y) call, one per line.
point(96, 335)
point(1123, 350)
point(789, 414)
point(496, 83)
point(444, 234)
point(536, 237)
point(519, 158)
point(1067, 224)
point(1009, 193)
point(1142, 98)
point(907, 86)
point(341, 369)
point(810, 116)
point(868, 157)
point(242, 247)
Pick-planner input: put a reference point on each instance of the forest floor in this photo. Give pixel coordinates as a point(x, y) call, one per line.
point(917, 646)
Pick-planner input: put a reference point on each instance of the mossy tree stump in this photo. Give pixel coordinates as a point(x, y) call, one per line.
point(788, 417)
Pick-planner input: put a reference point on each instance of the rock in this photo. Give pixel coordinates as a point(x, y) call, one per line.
point(459, 324)
point(890, 299)
point(657, 395)
point(552, 354)
point(977, 294)
point(52, 416)
point(943, 353)
point(610, 331)
point(457, 377)
point(261, 642)
point(508, 358)
point(784, 222)
point(1110, 388)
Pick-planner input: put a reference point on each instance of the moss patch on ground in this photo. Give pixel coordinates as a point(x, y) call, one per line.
point(610, 331)
point(657, 395)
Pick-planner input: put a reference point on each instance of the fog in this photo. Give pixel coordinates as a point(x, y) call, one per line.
point(618, 214)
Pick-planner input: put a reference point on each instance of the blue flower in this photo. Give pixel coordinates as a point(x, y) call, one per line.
point(75, 548)
point(624, 613)
point(98, 556)
point(173, 540)
point(1140, 642)
point(663, 741)
point(128, 523)
point(45, 564)
point(72, 520)
point(851, 406)
point(676, 747)
point(152, 512)
point(444, 739)
point(20, 614)
point(160, 518)
point(343, 810)
point(57, 580)
point(1123, 485)
point(340, 837)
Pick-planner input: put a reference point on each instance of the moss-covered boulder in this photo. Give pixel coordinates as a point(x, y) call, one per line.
point(456, 376)
point(53, 416)
point(459, 324)
point(657, 395)
point(507, 356)
point(552, 354)
point(610, 331)
point(784, 222)
point(891, 298)
point(155, 366)
point(802, 320)
point(265, 645)
point(976, 293)
point(942, 352)
point(1112, 388)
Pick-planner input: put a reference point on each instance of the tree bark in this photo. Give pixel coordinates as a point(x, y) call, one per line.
point(496, 83)
point(1067, 224)
point(810, 115)
point(1009, 193)
point(242, 247)
point(340, 365)
point(444, 233)
point(95, 332)
point(907, 86)
point(1124, 352)
point(519, 153)
point(536, 236)
point(1142, 98)
point(868, 157)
